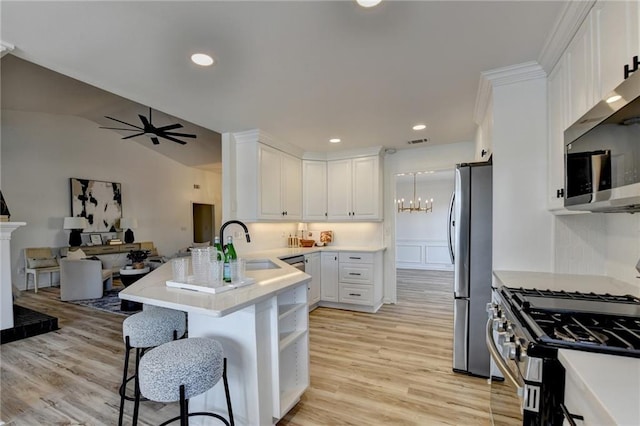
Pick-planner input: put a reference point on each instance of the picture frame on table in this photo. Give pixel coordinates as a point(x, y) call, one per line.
point(96, 239)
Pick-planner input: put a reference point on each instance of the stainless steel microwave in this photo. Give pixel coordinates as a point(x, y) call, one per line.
point(602, 154)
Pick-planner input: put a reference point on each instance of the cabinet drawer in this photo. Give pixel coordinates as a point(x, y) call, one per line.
point(351, 257)
point(356, 293)
point(355, 273)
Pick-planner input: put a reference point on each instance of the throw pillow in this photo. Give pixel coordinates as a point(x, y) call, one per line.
point(42, 263)
point(76, 255)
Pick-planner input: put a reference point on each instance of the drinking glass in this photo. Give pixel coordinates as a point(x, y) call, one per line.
point(215, 273)
point(200, 263)
point(180, 267)
point(237, 269)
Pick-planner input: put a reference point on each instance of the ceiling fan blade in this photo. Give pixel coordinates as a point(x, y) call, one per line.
point(184, 135)
point(119, 128)
point(155, 140)
point(144, 121)
point(173, 139)
point(123, 122)
point(169, 127)
point(133, 136)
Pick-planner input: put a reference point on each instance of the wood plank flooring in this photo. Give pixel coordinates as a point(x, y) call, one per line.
point(393, 367)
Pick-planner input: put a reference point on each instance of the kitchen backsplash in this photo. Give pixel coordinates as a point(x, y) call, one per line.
point(266, 236)
point(600, 244)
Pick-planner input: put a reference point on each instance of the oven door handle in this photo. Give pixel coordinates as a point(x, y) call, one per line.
point(504, 369)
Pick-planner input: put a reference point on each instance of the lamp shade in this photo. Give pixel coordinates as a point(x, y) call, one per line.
point(302, 226)
point(128, 223)
point(75, 223)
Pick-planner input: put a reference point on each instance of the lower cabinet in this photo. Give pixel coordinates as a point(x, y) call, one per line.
point(312, 267)
point(353, 281)
point(329, 277)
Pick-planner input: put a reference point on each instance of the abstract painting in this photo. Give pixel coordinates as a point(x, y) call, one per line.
point(100, 202)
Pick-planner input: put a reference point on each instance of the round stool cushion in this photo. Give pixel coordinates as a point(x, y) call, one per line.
point(196, 363)
point(153, 327)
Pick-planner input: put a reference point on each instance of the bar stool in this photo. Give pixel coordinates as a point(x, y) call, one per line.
point(152, 327)
point(179, 370)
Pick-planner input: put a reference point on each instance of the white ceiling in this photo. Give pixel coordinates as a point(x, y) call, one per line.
point(302, 71)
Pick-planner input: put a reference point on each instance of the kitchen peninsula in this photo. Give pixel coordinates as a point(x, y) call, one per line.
point(263, 328)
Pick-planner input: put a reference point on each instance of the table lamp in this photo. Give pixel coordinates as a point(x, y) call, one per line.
point(76, 225)
point(128, 223)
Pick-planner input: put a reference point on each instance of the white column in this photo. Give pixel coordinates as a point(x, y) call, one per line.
point(6, 295)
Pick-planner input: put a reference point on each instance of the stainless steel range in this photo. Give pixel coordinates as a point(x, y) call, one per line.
point(524, 332)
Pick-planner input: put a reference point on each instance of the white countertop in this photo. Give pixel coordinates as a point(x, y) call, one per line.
point(613, 382)
point(567, 282)
point(152, 289)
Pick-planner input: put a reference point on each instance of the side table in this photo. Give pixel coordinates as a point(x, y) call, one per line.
point(128, 277)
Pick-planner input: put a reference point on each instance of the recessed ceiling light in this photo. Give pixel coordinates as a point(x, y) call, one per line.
point(368, 3)
point(613, 99)
point(334, 140)
point(202, 59)
point(419, 127)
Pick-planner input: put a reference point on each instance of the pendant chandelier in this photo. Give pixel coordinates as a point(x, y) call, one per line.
point(415, 205)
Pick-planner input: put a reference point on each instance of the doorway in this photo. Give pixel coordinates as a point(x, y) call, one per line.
point(421, 236)
point(203, 222)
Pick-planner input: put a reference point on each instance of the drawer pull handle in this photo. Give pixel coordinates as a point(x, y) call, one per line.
point(355, 294)
point(354, 273)
point(357, 258)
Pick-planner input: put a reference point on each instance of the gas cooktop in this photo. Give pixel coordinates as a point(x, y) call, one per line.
point(585, 321)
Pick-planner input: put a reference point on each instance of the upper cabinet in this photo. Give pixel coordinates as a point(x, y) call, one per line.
point(269, 183)
point(354, 189)
point(314, 193)
point(591, 67)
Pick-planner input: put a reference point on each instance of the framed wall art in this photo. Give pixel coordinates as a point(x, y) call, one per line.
point(100, 202)
point(96, 239)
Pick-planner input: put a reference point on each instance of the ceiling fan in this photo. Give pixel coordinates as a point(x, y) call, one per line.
point(151, 131)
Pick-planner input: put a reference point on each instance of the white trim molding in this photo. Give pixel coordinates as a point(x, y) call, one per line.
point(423, 254)
point(5, 48)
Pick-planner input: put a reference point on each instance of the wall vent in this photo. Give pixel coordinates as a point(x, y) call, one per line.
point(417, 141)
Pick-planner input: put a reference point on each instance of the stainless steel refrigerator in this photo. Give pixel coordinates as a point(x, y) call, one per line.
point(470, 247)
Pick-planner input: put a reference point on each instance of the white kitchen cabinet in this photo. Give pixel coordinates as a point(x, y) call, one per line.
point(616, 27)
point(579, 63)
point(354, 189)
point(269, 183)
point(314, 194)
point(313, 267)
point(352, 280)
point(329, 277)
point(290, 350)
point(556, 98)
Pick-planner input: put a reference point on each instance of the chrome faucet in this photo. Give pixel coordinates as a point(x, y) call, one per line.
point(246, 230)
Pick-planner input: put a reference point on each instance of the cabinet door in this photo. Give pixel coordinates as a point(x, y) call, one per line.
point(291, 187)
point(329, 277)
point(615, 40)
point(314, 194)
point(313, 268)
point(556, 101)
point(270, 204)
point(366, 188)
point(579, 64)
point(339, 189)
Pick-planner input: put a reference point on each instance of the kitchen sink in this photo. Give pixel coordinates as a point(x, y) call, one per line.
point(259, 264)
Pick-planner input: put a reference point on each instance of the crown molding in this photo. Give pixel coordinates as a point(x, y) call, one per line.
point(500, 77)
point(265, 138)
point(6, 48)
point(566, 26)
point(343, 155)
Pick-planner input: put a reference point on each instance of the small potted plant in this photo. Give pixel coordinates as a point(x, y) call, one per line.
point(137, 258)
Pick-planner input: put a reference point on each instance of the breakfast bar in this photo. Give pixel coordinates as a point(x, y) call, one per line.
point(263, 328)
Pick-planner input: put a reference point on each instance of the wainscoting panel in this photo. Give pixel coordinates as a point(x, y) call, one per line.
point(423, 254)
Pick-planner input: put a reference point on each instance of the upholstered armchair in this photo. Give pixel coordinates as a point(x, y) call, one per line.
point(83, 279)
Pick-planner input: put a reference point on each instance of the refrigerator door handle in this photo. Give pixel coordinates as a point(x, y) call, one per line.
point(451, 223)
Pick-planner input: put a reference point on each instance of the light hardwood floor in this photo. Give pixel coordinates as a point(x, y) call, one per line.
point(392, 368)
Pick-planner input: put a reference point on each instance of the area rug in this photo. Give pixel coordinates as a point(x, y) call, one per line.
point(110, 302)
